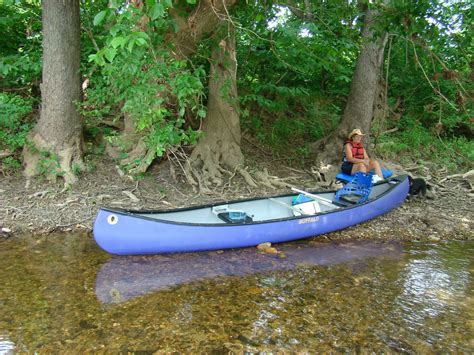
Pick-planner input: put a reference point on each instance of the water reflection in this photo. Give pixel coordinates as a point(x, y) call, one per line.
point(342, 297)
point(123, 278)
point(436, 279)
point(435, 283)
point(7, 347)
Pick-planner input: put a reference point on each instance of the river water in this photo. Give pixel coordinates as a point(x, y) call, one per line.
point(63, 294)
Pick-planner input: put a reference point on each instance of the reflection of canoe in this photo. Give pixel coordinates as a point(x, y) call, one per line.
point(122, 278)
point(237, 224)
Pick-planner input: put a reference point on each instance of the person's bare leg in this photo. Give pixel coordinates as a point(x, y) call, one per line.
point(358, 167)
point(374, 164)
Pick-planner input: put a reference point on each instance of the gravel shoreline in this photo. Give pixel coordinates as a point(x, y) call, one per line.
point(46, 207)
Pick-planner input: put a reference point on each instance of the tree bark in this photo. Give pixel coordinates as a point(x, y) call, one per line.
point(57, 136)
point(206, 16)
point(359, 108)
point(220, 144)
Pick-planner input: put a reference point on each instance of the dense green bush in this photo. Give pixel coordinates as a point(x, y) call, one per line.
point(139, 78)
point(14, 125)
point(293, 75)
point(20, 47)
point(415, 143)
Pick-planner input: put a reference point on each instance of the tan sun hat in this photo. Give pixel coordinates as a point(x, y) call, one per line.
point(354, 132)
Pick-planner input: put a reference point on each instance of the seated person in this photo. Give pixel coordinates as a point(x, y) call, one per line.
point(355, 157)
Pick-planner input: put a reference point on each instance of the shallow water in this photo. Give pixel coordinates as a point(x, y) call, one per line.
point(65, 294)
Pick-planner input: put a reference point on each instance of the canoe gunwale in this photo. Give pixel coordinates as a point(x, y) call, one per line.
point(142, 214)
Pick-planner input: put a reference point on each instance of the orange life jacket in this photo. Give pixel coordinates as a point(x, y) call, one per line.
point(357, 150)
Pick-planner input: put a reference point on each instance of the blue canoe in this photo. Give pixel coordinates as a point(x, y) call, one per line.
point(239, 224)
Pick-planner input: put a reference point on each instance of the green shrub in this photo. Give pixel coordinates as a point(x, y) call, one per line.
point(456, 154)
point(138, 78)
point(10, 165)
point(417, 143)
point(289, 130)
point(14, 124)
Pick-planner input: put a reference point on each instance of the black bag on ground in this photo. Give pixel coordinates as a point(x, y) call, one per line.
point(417, 187)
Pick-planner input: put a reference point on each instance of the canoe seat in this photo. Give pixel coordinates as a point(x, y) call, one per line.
point(303, 205)
point(235, 217)
point(346, 178)
point(355, 191)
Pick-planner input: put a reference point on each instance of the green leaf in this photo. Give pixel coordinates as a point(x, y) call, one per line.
point(175, 26)
point(118, 41)
point(191, 1)
point(99, 17)
point(131, 44)
point(201, 113)
point(97, 58)
point(167, 3)
point(115, 4)
point(157, 11)
point(141, 42)
point(110, 53)
point(142, 35)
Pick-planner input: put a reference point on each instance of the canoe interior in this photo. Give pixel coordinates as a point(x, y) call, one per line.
point(261, 210)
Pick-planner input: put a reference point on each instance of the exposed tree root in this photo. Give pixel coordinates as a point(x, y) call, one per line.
point(66, 162)
point(247, 177)
point(138, 159)
point(269, 181)
point(5, 153)
point(206, 177)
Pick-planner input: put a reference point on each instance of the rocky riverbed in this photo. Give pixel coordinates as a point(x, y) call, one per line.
point(45, 207)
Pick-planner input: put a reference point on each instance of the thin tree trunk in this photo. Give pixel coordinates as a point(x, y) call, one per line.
point(57, 138)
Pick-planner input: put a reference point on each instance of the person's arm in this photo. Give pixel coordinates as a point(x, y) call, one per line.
point(366, 156)
point(350, 158)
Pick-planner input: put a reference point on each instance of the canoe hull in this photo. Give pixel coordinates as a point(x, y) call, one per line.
point(130, 235)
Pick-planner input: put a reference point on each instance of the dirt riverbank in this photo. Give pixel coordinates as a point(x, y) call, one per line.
point(46, 207)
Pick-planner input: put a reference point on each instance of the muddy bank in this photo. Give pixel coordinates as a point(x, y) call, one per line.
point(46, 207)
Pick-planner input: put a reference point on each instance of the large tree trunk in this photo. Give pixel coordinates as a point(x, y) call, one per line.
point(219, 147)
point(206, 16)
point(202, 21)
point(57, 138)
point(359, 108)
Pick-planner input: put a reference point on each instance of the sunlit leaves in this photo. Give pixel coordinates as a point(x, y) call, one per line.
point(99, 17)
point(292, 64)
point(118, 41)
point(156, 11)
point(110, 54)
point(142, 80)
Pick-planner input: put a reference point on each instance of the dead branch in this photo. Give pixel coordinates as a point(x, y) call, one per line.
point(132, 197)
point(388, 131)
point(5, 153)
